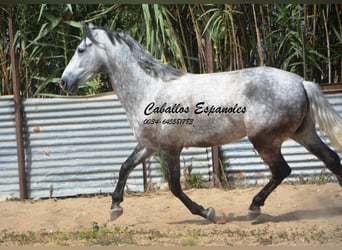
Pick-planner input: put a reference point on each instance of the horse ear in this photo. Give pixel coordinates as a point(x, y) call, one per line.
point(91, 26)
point(88, 32)
point(88, 27)
point(84, 26)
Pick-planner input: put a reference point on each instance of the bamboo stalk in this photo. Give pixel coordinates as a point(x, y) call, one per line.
point(303, 31)
point(198, 38)
point(314, 27)
point(340, 28)
point(328, 46)
point(258, 37)
point(187, 53)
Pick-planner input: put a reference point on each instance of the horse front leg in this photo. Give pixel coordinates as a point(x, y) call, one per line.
point(139, 154)
point(172, 165)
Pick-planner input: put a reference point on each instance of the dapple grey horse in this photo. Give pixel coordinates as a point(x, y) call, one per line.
point(169, 109)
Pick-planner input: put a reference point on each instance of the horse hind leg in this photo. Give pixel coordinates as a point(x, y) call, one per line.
point(306, 136)
point(271, 155)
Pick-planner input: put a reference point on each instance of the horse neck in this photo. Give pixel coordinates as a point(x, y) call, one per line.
point(130, 83)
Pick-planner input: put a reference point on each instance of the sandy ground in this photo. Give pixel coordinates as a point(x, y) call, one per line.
point(293, 215)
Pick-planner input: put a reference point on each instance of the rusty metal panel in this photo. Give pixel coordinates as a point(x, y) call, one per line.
point(243, 164)
point(9, 182)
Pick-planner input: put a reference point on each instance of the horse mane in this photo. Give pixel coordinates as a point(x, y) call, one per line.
point(146, 61)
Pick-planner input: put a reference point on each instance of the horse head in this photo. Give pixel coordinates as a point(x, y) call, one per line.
point(86, 61)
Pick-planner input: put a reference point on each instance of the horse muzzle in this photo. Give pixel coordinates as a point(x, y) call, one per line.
point(68, 87)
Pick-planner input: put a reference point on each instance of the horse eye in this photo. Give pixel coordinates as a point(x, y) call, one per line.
point(80, 50)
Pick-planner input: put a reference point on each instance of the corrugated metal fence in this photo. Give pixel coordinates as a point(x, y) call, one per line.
point(77, 145)
point(9, 182)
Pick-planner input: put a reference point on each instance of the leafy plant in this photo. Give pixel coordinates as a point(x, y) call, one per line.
point(22, 238)
point(195, 181)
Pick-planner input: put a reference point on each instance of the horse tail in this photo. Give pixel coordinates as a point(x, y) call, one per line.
point(323, 113)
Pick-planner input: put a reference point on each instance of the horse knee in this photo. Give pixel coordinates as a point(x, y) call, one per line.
point(286, 171)
point(175, 188)
point(281, 173)
point(279, 169)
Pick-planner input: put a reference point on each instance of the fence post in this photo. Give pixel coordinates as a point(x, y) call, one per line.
point(210, 69)
point(145, 175)
point(18, 109)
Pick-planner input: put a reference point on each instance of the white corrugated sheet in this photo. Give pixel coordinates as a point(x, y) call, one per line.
point(9, 182)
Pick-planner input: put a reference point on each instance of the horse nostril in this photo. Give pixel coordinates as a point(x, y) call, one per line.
point(63, 84)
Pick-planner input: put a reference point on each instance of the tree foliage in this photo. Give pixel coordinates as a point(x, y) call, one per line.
point(301, 38)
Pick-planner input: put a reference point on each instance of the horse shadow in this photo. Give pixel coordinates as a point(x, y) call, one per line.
point(297, 215)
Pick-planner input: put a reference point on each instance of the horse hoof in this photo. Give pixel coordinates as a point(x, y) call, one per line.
point(115, 213)
point(253, 214)
point(210, 215)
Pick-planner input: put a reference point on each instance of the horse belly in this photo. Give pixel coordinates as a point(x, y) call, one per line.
point(214, 131)
point(192, 131)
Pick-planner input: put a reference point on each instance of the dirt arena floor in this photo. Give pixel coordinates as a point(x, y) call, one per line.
point(293, 215)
